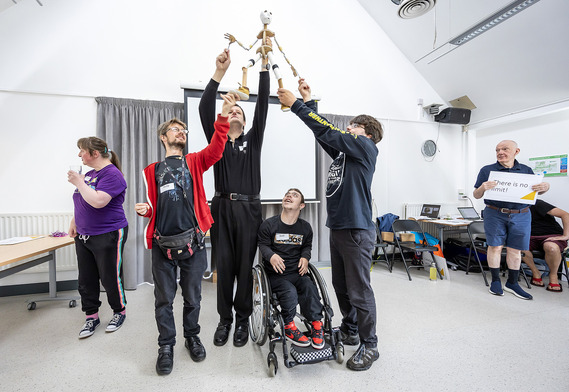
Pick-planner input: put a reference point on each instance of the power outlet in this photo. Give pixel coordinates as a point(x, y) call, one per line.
point(462, 195)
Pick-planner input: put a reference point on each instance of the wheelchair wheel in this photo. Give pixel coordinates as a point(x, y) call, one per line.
point(339, 352)
point(320, 283)
point(273, 364)
point(259, 319)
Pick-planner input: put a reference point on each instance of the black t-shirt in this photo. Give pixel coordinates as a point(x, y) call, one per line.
point(541, 222)
point(291, 242)
point(173, 214)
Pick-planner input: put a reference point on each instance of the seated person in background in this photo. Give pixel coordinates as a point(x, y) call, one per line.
point(547, 236)
point(285, 242)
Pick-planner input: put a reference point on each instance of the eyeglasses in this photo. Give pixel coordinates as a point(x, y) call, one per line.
point(176, 130)
point(356, 125)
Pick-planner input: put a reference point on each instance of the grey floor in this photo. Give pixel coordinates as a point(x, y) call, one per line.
point(433, 336)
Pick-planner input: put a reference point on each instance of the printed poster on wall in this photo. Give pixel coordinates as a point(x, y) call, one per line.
point(513, 187)
point(550, 166)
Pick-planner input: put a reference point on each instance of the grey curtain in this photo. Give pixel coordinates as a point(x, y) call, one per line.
point(323, 164)
point(130, 129)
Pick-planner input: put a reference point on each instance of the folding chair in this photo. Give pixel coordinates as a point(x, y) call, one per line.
point(380, 244)
point(473, 229)
point(400, 226)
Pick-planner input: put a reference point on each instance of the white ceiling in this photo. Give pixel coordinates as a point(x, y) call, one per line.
point(520, 64)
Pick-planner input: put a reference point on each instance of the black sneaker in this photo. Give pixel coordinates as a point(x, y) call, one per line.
point(363, 358)
point(89, 327)
point(349, 339)
point(116, 322)
point(196, 348)
point(165, 361)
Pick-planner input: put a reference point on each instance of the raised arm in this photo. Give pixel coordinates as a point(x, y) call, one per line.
point(214, 150)
point(257, 130)
point(207, 101)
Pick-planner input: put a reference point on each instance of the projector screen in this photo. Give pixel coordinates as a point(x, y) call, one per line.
point(288, 157)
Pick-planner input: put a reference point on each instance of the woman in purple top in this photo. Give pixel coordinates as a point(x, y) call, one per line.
point(100, 230)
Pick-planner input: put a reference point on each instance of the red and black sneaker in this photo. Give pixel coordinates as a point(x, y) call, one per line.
point(317, 335)
point(295, 336)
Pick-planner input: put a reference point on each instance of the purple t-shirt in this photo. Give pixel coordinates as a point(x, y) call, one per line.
point(93, 221)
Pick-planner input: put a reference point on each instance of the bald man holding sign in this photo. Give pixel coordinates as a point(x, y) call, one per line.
point(506, 223)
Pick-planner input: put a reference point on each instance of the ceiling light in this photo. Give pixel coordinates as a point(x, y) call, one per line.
point(493, 20)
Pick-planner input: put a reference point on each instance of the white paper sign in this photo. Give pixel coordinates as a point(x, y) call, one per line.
point(513, 187)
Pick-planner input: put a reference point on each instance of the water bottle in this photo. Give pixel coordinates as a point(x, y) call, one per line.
point(433, 272)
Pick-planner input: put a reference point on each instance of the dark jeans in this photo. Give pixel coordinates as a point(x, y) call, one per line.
point(234, 244)
point(100, 258)
point(292, 290)
point(165, 273)
point(350, 253)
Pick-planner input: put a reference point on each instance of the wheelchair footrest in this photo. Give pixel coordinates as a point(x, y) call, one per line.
point(310, 354)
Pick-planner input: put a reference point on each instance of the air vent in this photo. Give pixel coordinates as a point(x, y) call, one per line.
point(414, 8)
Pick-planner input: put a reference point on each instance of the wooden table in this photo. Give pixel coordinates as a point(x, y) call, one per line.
point(11, 254)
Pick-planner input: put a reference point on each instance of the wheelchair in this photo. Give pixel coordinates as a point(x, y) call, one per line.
point(266, 322)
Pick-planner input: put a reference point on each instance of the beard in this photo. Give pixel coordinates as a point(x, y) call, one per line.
point(177, 144)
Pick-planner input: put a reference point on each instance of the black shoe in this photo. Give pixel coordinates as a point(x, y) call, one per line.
point(165, 360)
point(363, 358)
point(196, 348)
point(349, 339)
point(221, 334)
point(240, 336)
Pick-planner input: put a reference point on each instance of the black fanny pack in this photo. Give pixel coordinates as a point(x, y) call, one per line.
point(180, 246)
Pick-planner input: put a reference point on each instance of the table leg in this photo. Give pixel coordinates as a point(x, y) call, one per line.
point(52, 276)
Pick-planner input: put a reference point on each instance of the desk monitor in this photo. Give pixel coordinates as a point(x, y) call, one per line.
point(469, 213)
point(430, 210)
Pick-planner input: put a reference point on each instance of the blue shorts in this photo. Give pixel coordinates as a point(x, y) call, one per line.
point(511, 230)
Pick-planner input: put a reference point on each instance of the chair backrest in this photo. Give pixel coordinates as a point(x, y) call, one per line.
point(475, 228)
point(378, 240)
point(406, 225)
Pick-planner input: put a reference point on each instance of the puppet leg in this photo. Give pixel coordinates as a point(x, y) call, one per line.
point(243, 90)
point(277, 73)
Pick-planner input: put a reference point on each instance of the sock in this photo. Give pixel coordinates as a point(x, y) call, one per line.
point(495, 274)
point(123, 312)
point(513, 276)
point(93, 316)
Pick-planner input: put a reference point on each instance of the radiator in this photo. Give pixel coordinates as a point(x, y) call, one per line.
point(23, 225)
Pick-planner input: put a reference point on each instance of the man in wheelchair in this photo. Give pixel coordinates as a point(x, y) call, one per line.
point(285, 243)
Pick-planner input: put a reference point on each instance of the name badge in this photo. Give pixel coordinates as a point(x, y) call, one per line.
point(167, 187)
point(281, 237)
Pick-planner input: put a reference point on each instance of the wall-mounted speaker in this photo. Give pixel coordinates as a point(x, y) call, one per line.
point(453, 116)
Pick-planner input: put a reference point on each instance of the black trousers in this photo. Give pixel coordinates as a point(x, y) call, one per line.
point(350, 253)
point(234, 244)
point(165, 274)
point(292, 290)
point(99, 258)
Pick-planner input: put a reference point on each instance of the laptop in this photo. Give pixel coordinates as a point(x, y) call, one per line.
point(469, 213)
point(430, 211)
